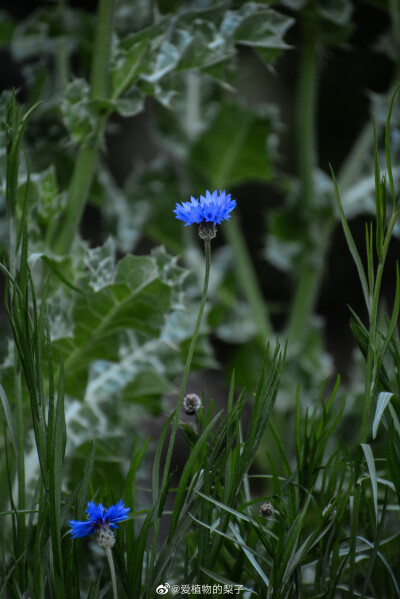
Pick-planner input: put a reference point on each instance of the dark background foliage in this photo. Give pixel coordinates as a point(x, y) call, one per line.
point(354, 67)
point(350, 74)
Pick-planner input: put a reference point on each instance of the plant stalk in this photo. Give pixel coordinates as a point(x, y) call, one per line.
point(207, 249)
point(308, 280)
point(86, 160)
point(112, 571)
point(189, 358)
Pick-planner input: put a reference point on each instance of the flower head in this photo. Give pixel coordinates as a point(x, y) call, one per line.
point(212, 208)
point(191, 403)
point(99, 518)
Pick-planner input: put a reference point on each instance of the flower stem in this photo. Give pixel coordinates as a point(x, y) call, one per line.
point(112, 571)
point(207, 249)
point(86, 160)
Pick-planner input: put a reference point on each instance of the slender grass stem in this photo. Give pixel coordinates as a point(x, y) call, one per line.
point(85, 163)
point(21, 451)
point(372, 359)
point(372, 375)
point(112, 571)
point(19, 408)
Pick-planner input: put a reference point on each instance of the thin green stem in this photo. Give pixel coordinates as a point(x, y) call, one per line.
point(112, 571)
point(308, 281)
point(207, 248)
point(78, 192)
point(85, 163)
point(307, 111)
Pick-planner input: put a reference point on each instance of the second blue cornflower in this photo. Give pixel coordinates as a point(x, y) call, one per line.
point(100, 519)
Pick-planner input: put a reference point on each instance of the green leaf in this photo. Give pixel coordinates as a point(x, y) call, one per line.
point(393, 458)
point(362, 338)
point(43, 197)
point(263, 29)
point(249, 555)
point(127, 58)
point(387, 147)
point(137, 300)
point(77, 116)
point(94, 591)
point(369, 456)
point(142, 374)
point(129, 494)
point(383, 399)
point(351, 244)
point(187, 471)
point(234, 149)
point(291, 541)
point(9, 418)
point(384, 561)
point(17, 120)
point(129, 105)
point(262, 408)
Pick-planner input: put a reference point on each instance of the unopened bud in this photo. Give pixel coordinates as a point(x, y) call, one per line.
point(191, 403)
point(267, 510)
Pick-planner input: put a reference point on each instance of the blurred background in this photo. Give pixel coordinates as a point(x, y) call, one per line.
point(260, 103)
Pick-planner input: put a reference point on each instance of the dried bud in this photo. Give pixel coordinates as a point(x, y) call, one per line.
point(207, 230)
point(267, 510)
point(105, 537)
point(191, 403)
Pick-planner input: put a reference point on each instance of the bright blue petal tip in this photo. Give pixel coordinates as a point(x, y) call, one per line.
point(211, 208)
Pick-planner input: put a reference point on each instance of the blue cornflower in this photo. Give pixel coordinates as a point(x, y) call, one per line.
point(99, 518)
point(212, 208)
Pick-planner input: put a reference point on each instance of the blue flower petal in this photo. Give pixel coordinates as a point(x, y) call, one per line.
point(99, 517)
point(95, 512)
point(211, 208)
point(116, 513)
point(81, 529)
